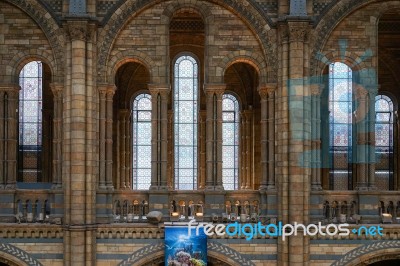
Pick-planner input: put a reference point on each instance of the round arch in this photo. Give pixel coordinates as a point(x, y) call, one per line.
point(50, 27)
point(245, 10)
point(17, 256)
point(370, 253)
point(328, 22)
point(215, 250)
point(124, 57)
point(250, 58)
point(21, 59)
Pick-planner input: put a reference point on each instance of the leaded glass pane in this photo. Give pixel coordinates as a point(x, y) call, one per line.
point(340, 125)
point(230, 142)
point(30, 123)
point(185, 122)
point(141, 148)
point(384, 153)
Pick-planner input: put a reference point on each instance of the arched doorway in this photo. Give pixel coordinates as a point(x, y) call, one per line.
point(391, 262)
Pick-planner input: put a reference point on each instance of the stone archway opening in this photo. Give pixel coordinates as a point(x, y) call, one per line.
point(389, 262)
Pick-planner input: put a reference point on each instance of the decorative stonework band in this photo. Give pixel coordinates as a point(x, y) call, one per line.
point(19, 254)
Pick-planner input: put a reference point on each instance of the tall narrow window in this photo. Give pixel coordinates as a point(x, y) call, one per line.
point(384, 142)
point(30, 123)
point(141, 116)
point(340, 126)
point(185, 122)
point(230, 142)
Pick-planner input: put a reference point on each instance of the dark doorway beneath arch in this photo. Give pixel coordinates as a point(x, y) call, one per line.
point(211, 262)
point(386, 263)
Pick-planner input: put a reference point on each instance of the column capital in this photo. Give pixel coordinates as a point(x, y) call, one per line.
point(316, 89)
point(123, 113)
point(266, 89)
point(162, 89)
point(78, 30)
point(298, 31)
point(361, 92)
point(214, 88)
point(57, 89)
point(106, 88)
point(10, 87)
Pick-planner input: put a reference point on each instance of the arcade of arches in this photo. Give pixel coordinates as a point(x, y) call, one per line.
point(221, 110)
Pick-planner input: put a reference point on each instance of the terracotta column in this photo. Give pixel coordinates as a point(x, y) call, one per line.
point(10, 94)
point(267, 136)
point(2, 139)
point(373, 91)
point(316, 148)
point(159, 146)
point(361, 118)
point(202, 145)
point(57, 90)
point(246, 119)
point(102, 136)
point(108, 136)
point(123, 115)
point(214, 94)
point(8, 137)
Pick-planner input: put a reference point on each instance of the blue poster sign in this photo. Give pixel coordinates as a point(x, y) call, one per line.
point(183, 248)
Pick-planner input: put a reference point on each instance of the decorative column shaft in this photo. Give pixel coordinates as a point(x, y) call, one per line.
point(9, 95)
point(214, 94)
point(80, 143)
point(267, 136)
point(128, 160)
point(316, 90)
point(108, 136)
point(159, 141)
point(246, 149)
point(373, 91)
point(202, 145)
point(2, 140)
point(57, 135)
point(361, 117)
point(8, 136)
point(102, 136)
point(122, 116)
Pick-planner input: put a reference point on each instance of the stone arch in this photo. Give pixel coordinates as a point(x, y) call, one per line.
point(248, 57)
point(390, 63)
point(351, 59)
point(50, 28)
point(126, 56)
point(215, 250)
point(21, 59)
point(370, 252)
point(327, 23)
point(17, 256)
point(257, 21)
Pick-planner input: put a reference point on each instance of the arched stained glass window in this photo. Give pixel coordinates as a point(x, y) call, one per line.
point(340, 126)
point(30, 123)
point(141, 118)
point(384, 142)
point(185, 122)
point(230, 142)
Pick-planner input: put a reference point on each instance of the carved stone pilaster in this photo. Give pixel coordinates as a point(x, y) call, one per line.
point(78, 30)
point(159, 119)
point(267, 137)
point(57, 90)
point(298, 33)
point(316, 89)
point(10, 142)
point(214, 94)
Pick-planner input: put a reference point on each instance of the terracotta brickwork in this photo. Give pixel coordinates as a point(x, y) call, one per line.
point(272, 55)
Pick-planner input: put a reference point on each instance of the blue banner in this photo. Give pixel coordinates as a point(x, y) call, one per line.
point(184, 248)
